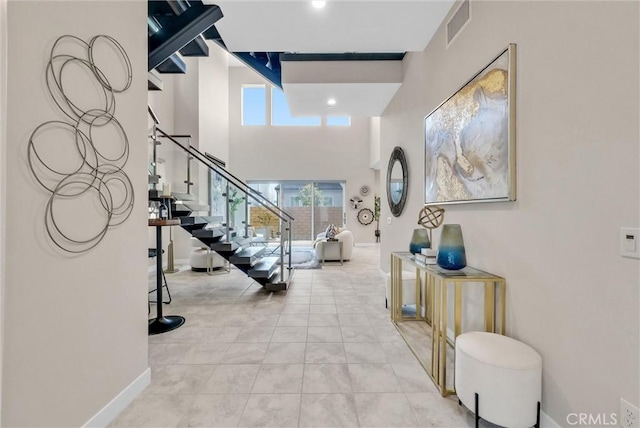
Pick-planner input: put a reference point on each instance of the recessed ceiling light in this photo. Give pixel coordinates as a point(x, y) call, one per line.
point(318, 4)
point(331, 102)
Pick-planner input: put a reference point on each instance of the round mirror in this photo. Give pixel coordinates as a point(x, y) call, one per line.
point(396, 184)
point(397, 181)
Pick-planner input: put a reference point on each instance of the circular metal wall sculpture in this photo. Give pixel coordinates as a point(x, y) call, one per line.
point(364, 190)
point(397, 181)
point(365, 216)
point(100, 142)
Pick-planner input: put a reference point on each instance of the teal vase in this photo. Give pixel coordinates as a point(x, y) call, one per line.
point(419, 240)
point(451, 253)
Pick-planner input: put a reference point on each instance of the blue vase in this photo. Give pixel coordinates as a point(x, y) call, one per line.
point(451, 254)
point(419, 240)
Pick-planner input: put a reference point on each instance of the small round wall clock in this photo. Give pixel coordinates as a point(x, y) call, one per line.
point(364, 190)
point(365, 216)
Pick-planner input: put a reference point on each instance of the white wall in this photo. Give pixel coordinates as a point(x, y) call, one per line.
point(301, 153)
point(569, 293)
point(162, 103)
point(213, 111)
point(195, 103)
point(214, 102)
point(186, 101)
point(3, 168)
point(75, 326)
point(163, 106)
point(374, 149)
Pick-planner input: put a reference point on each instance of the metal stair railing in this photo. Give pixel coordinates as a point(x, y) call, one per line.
point(285, 219)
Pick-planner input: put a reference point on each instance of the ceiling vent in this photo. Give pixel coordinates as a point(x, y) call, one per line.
point(458, 21)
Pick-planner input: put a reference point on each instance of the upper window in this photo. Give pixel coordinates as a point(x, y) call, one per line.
point(254, 110)
point(338, 121)
point(281, 116)
point(254, 105)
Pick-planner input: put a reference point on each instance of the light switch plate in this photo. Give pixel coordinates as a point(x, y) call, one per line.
point(388, 220)
point(629, 245)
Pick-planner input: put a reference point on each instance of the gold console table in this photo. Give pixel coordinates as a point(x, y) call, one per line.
point(438, 284)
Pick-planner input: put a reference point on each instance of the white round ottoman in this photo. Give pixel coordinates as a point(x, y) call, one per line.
point(499, 378)
point(408, 288)
point(201, 259)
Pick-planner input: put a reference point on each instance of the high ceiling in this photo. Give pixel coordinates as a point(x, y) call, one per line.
point(341, 26)
point(349, 50)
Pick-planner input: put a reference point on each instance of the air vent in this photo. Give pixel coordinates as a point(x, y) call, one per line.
point(458, 20)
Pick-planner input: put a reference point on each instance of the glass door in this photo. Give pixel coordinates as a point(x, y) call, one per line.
point(314, 205)
point(265, 226)
point(297, 201)
point(328, 206)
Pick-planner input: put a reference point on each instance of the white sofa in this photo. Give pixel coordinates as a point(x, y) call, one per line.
point(333, 252)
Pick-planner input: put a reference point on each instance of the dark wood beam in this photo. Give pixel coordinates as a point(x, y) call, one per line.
point(181, 30)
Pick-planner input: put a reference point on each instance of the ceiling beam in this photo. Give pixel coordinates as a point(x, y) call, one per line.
point(181, 30)
point(265, 63)
point(172, 65)
point(196, 47)
point(349, 56)
point(154, 82)
point(213, 34)
point(178, 6)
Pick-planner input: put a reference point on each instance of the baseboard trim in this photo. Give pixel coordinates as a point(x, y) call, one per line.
point(109, 412)
point(547, 422)
point(366, 244)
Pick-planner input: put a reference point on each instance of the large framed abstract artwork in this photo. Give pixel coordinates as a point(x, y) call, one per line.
point(470, 139)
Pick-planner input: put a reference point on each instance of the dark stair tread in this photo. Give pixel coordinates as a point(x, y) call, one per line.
point(198, 219)
point(279, 282)
point(201, 219)
point(265, 267)
point(183, 196)
point(179, 212)
point(223, 246)
point(247, 255)
point(192, 223)
point(244, 242)
point(208, 233)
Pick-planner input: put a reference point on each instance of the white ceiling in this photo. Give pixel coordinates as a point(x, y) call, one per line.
point(360, 88)
point(342, 26)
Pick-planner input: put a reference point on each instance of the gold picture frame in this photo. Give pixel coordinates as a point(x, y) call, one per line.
point(470, 138)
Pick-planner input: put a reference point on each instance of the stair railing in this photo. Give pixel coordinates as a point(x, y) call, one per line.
point(227, 210)
point(285, 219)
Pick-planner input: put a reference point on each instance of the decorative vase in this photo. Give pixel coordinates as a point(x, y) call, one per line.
point(419, 240)
point(451, 254)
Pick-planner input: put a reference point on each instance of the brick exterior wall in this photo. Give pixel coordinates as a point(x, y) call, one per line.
point(302, 224)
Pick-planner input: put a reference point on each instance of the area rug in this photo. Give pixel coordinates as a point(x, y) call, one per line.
point(304, 258)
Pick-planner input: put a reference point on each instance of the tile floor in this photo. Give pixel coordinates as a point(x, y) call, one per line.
point(321, 354)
